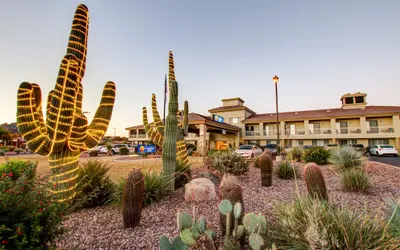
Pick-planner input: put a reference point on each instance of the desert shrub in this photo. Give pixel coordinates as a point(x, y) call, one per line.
point(354, 180)
point(2, 152)
point(95, 186)
point(15, 168)
point(28, 217)
point(228, 162)
point(318, 155)
point(156, 187)
point(286, 170)
point(309, 223)
point(124, 151)
point(94, 153)
point(394, 218)
point(296, 153)
point(209, 176)
point(18, 150)
point(11, 148)
point(345, 158)
point(182, 174)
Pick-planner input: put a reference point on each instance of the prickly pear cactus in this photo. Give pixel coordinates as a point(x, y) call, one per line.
point(315, 181)
point(66, 131)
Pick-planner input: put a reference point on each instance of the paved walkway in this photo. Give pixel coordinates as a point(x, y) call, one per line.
point(394, 161)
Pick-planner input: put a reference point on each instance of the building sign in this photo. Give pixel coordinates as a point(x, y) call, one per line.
point(146, 149)
point(218, 118)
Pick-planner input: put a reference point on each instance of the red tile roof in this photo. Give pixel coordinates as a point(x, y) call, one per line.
point(325, 113)
point(231, 107)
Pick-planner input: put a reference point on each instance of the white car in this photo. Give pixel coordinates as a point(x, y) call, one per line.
point(115, 149)
point(380, 150)
point(249, 151)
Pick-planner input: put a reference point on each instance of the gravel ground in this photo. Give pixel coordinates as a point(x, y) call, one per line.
point(101, 228)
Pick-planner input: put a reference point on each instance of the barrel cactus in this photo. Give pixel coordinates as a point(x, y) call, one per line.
point(265, 164)
point(66, 132)
point(133, 198)
point(156, 132)
point(315, 181)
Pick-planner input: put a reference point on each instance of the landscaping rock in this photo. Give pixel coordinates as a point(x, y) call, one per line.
point(200, 189)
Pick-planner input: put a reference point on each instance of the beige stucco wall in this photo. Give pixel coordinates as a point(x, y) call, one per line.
point(384, 121)
point(323, 123)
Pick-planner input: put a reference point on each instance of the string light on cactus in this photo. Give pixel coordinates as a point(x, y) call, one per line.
point(66, 131)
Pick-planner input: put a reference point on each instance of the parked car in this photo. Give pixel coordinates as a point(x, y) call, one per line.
point(115, 149)
point(249, 151)
point(331, 145)
point(358, 147)
point(380, 150)
point(271, 147)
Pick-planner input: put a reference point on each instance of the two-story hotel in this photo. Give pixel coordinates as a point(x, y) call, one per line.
point(233, 123)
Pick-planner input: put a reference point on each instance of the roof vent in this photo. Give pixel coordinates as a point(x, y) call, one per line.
point(296, 113)
point(328, 110)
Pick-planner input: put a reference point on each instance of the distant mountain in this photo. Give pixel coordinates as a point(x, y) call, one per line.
point(12, 127)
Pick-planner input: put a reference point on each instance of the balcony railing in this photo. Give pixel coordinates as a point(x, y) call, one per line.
point(380, 130)
point(320, 131)
point(352, 130)
point(295, 132)
point(252, 133)
point(270, 132)
point(142, 135)
point(133, 136)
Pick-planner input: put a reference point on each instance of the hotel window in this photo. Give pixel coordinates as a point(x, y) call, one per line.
point(235, 120)
point(319, 143)
point(359, 99)
point(349, 100)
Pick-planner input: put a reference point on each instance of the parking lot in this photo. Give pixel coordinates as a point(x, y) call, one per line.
point(395, 161)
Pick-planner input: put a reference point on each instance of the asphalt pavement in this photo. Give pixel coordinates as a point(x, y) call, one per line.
point(395, 161)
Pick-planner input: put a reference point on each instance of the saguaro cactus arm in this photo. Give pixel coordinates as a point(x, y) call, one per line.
point(185, 126)
point(30, 118)
point(99, 124)
point(153, 134)
point(158, 123)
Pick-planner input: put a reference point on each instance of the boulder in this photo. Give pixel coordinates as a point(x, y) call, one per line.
point(200, 189)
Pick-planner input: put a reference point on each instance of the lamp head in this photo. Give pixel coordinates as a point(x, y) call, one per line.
point(275, 79)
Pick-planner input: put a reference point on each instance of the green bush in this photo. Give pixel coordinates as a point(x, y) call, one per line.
point(28, 217)
point(394, 218)
point(228, 162)
point(95, 186)
point(286, 170)
point(156, 187)
point(5, 149)
point(346, 158)
point(318, 155)
point(309, 223)
point(18, 150)
point(11, 148)
point(2, 152)
point(18, 168)
point(354, 180)
point(182, 174)
point(124, 151)
point(296, 153)
point(94, 153)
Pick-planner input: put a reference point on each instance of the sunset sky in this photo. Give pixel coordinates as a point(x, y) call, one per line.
point(223, 49)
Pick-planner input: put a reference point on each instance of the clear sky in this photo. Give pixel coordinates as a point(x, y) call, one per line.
point(223, 49)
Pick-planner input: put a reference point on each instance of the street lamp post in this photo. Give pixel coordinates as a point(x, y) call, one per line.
point(114, 132)
point(276, 80)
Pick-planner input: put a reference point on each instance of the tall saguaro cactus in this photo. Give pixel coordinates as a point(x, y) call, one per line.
point(66, 131)
point(171, 133)
point(156, 132)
